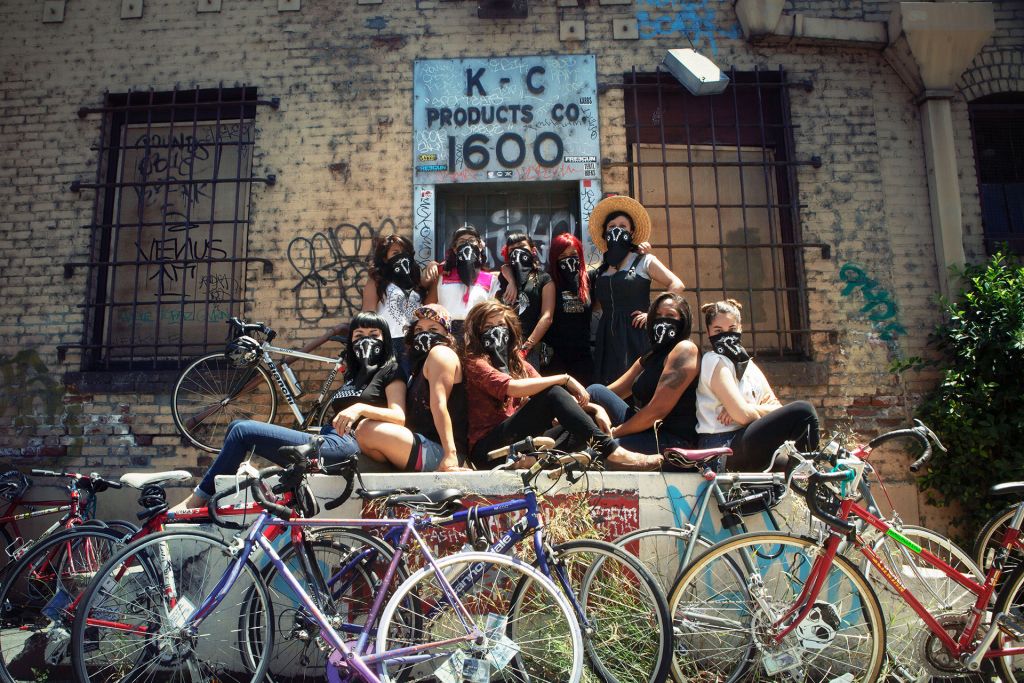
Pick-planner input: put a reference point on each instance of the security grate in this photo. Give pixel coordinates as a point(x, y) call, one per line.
point(718, 176)
point(168, 254)
point(997, 124)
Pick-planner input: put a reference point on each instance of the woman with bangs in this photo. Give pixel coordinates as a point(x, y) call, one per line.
point(464, 281)
point(374, 388)
point(509, 400)
point(435, 431)
point(527, 288)
point(569, 334)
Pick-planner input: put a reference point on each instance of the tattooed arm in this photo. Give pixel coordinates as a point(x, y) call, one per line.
point(681, 368)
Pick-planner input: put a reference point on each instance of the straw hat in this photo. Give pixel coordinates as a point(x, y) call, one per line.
point(634, 209)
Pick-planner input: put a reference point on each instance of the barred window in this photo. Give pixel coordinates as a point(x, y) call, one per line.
point(169, 248)
point(717, 175)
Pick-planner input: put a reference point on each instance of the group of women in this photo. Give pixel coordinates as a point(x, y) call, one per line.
point(442, 365)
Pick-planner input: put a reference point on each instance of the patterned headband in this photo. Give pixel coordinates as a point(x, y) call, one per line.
point(434, 312)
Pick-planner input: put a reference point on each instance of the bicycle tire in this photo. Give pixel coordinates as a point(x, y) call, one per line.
point(126, 628)
point(990, 537)
point(35, 599)
point(351, 596)
point(1010, 600)
point(211, 387)
point(702, 611)
point(906, 635)
point(661, 549)
point(553, 652)
point(628, 631)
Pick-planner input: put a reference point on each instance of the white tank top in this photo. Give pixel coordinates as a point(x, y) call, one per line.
point(396, 308)
point(753, 387)
point(451, 293)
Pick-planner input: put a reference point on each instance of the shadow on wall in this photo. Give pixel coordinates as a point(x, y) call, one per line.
point(31, 400)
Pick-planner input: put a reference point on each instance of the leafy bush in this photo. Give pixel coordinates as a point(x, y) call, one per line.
point(978, 409)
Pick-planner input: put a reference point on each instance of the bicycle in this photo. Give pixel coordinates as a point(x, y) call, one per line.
point(38, 602)
point(454, 617)
point(792, 606)
point(239, 384)
point(988, 542)
point(619, 605)
point(77, 508)
point(671, 549)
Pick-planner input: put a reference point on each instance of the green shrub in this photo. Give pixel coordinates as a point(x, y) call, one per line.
point(978, 409)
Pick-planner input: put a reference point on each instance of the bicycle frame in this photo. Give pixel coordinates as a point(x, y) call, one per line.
point(289, 397)
point(255, 537)
point(72, 507)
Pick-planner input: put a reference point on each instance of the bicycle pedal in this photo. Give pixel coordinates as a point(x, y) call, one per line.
point(1012, 623)
point(16, 548)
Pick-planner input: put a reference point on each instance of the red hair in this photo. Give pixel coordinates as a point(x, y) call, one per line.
point(560, 243)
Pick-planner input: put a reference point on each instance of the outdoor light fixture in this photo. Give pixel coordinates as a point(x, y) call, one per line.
point(502, 9)
point(696, 72)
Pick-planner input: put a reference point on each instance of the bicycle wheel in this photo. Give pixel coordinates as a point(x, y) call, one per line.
point(37, 601)
point(661, 549)
point(212, 392)
point(349, 567)
point(538, 641)
point(627, 634)
point(990, 537)
point(131, 623)
point(726, 604)
point(913, 652)
point(1010, 600)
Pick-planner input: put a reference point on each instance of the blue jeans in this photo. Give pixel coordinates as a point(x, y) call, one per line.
point(247, 436)
point(619, 411)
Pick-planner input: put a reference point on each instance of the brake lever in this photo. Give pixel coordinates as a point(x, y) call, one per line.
point(925, 431)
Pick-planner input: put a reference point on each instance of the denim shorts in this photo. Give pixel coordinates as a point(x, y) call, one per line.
point(426, 455)
point(716, 440)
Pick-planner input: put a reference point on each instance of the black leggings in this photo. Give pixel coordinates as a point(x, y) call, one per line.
point(754, 445)
point(535, 417)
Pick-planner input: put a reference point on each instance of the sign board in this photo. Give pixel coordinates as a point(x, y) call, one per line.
point(502, 119)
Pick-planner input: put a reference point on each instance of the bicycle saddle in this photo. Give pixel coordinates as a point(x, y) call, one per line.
point(443, 502)
point(689, 456)
point(1007, 487)
point(138, 480)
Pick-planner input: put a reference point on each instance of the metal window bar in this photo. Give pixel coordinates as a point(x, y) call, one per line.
point(748, 133)
point(163, 323)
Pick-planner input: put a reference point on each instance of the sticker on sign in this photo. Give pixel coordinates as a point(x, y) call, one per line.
point(432, 167)
point(580, 160)
point(499, 174)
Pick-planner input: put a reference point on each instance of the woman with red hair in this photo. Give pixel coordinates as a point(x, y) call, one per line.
point(569, 334)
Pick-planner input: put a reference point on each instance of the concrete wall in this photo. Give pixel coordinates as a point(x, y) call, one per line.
point(339, 145)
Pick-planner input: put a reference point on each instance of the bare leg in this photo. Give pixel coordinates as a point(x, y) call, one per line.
point(385, 442)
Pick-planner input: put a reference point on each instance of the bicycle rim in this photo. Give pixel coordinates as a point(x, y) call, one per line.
point(627, 635)
point(727, 604)
point(661, 549)
point(1010, 600)
point(211, 393)
point(131, 622)
point(37, 598)
point(533, 638)
point(911, 652)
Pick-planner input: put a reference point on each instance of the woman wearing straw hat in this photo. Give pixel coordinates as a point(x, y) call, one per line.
point(622, 284)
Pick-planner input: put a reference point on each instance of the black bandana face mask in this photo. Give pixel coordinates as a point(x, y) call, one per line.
point(369, 353)
point(620, 243)
point(522, 263)
point(495, 342)
point(400, 266)
point(665, 333)
point(569, 267)
point(467, 263)
point(422, 342)
point(728, 344)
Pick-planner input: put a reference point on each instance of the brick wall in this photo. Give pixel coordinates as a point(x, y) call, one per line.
point(339, 146)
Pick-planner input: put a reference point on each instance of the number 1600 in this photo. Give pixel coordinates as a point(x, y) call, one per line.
point(476, 156)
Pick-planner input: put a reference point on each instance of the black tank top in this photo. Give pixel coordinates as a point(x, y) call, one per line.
point(682, 419)
point(419, 419)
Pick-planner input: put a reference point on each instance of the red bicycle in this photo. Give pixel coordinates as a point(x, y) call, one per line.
point(38, 601)
point(78, 507)
point(773, 605)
